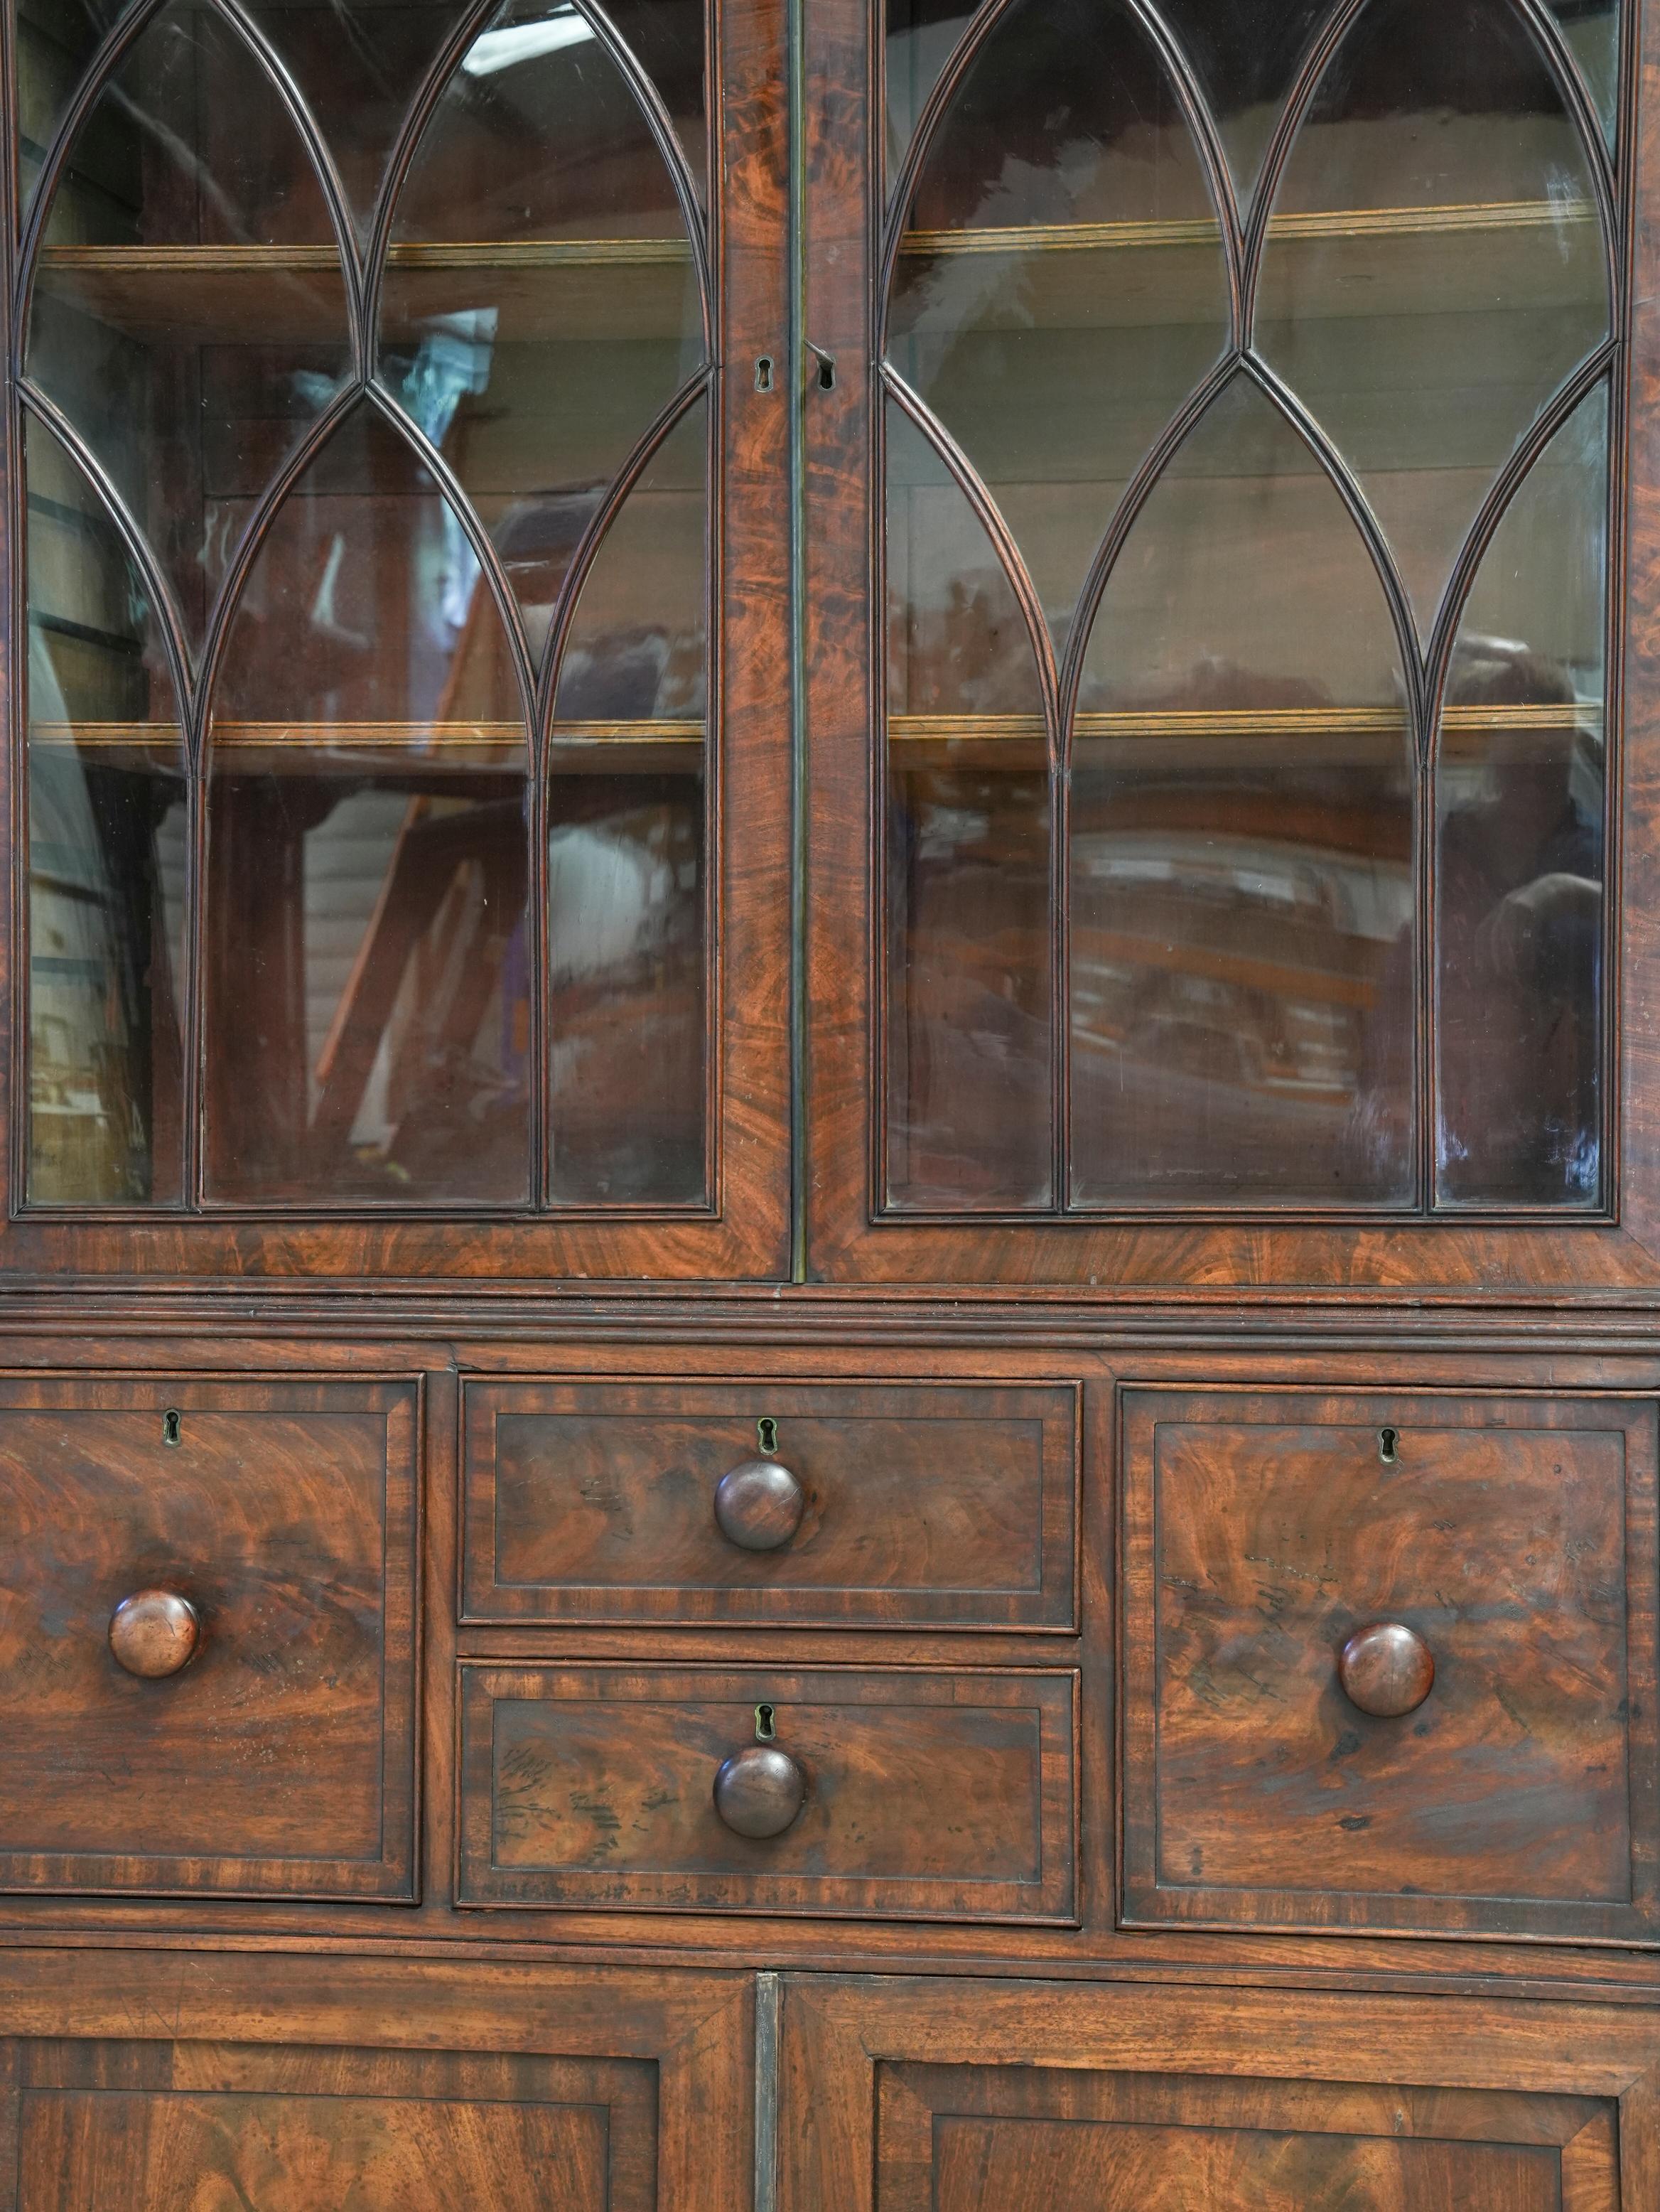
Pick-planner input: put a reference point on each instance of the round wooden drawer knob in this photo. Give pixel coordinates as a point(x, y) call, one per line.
point(758, 1505)
point(759, 1792)
point(154, 1633)
point(1386, 1669)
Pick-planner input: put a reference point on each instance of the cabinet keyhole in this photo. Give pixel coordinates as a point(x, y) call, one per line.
point(172, 1423)
point(764, 372)
point(766, 1723)
point(1387, 1440)
point(766, 1431)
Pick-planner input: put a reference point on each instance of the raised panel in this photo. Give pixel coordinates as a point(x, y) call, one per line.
point(923, 1504)
point(281, 1757)
point(928, 1792)
point(958, 2139)
point(1509, 1541)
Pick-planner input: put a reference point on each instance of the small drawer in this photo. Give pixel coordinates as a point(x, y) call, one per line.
point(207, 1677)
point(1390, 1662)
point(902, 1505)
point(912, 1793)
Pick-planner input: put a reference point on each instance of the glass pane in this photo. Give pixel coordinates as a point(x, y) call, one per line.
point(542, 305)
point(922, 37)
point(968, 1081)
point(56, 40)
point(1060, 287)
point(106, 859)
point(1591, 29)
point(368, 1019)
point(1246, 55)
point(190, 313)
point(358, 65)
point(1521, 783)
point(1241, 863)
point(627, 938)
point(1435, 268)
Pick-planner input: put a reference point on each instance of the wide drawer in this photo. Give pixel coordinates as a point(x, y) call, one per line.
point(1389, 1661)
point(928, 1792)
point(279, 1757)
point(905, 1505)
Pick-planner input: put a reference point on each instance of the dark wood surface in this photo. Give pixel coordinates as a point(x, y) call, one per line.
point(928, 1792)
point(907, 2094)
point(282, 1758)
point(1515, 1536)
point(926, 1504)
point(292, 2086)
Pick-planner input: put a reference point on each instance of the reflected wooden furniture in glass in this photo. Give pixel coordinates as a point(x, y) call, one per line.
point(1251, 379)
point(369, 429)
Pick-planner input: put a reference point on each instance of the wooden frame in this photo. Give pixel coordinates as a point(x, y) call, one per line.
point(848, 2045)
point(204, 2023)
point(1158, 1253)
point(742, 1229)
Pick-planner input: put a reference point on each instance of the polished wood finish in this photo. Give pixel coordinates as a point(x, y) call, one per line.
point(154, 1633)
point(926, 1504)
point(913, 2095)
point(1513, 1537)
point(929, 1794)
point(759, 1791)
point(759, 1504)
point(281, 1518)
point(293, 2085)
point(1387, 1670)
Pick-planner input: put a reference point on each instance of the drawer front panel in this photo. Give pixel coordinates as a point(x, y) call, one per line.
point(920, 1504)
point(280, 1757)
point(1390, 1662)
point(927, 1793)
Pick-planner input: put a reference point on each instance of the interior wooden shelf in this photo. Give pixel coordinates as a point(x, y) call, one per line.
point(1375, 263)
point(397, 751)
point(542, 288)
point(1012, 741)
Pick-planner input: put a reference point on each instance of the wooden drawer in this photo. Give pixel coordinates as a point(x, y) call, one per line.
point(1512, 1538)
point(922, 1505)
point(280, 1758)
point(929, 1794)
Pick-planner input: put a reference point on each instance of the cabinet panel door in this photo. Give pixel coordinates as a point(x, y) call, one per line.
point(918, 2096)
point(291, 2088)
point(1215, 648)
point(399, 763)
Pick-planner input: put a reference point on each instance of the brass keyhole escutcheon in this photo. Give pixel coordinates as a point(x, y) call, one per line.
point(1387, 1440)
point(766, 1433)
point(766, 1723)
point(172, 1424)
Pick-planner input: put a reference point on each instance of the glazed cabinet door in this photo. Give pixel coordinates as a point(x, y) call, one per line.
point(1228, 489)
point(295, 2087)
point(912, 2097)
point(400, 735)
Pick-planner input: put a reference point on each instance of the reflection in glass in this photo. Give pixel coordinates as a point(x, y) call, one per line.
point(1241, 845)
point(1246, 55)
point(367, 1024)
point(625, 852)
point(922, 37)
point(1060, 287)
point(1436, 268)
point(1591, 29)
point(107, 857)
point(358, 65)
point(538, 361)
point(189, 313)
point(968, 1079)
point(55, 41)
point(1521, 784)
